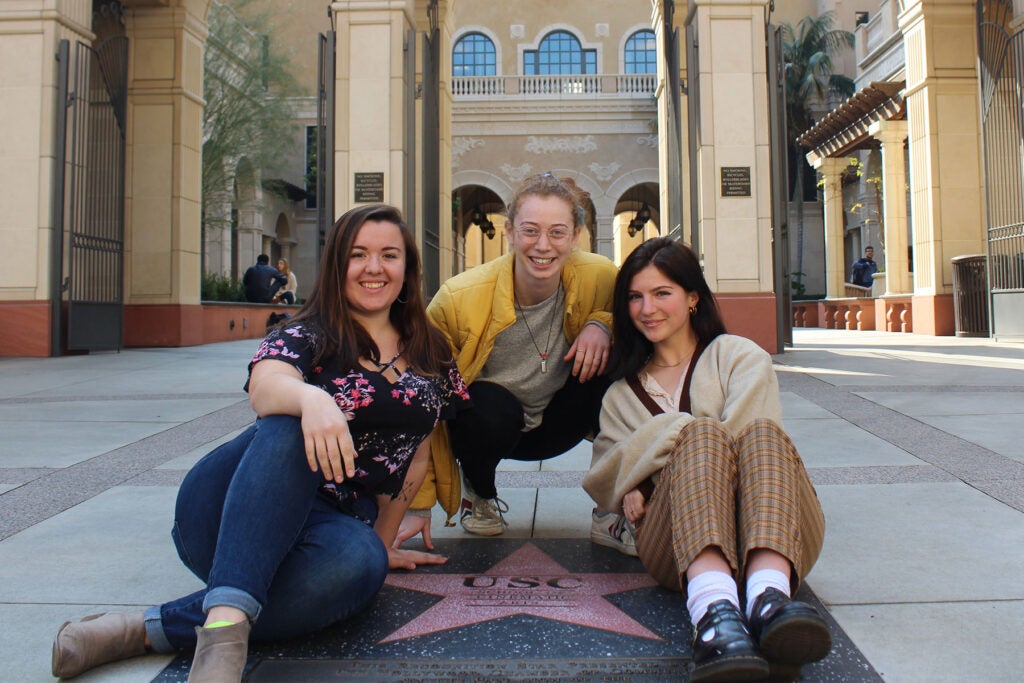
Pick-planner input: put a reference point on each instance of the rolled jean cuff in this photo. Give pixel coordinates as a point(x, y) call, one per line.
point(226, 596)
point(155, 632)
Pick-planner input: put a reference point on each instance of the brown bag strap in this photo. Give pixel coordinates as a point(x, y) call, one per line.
point(684, 397)
point(634, 383)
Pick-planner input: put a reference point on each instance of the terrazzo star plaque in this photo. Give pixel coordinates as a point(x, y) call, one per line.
point(526, 582)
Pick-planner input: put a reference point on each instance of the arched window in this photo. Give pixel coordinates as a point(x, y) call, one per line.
point(641, 53)
point(559, 53)
point(473, 55)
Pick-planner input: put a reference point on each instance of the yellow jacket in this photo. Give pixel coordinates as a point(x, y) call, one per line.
point(472, 308)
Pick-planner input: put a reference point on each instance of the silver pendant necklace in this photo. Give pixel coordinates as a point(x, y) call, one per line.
point(551, 324)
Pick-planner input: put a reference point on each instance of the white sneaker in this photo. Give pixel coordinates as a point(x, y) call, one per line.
point(482, 516)
point(612, 531)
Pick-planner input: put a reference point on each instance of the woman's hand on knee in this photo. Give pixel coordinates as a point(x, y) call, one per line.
point(328, 441)
point(634, 505)
point(410, 559)
point(589, 352)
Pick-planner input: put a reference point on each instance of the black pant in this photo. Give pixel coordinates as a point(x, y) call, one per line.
point(490, 431)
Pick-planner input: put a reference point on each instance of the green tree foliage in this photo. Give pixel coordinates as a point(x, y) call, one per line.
point(247, 88)
point(808, 50)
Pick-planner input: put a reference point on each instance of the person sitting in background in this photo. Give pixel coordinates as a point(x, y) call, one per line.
point(262, 280)
point(692, 451)
point(287, 294)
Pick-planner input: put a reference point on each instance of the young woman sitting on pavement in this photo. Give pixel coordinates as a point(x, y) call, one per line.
point(691, 449)
point(531, 332)
point(292, 524)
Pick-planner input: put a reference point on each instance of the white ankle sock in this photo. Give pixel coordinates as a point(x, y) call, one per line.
point(762, 580)
point(706, 588)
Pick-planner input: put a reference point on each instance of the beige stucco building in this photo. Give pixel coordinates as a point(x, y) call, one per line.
point(654, 108)
point(936, 130)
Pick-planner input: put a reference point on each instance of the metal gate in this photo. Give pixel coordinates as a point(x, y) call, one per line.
point(1001, 62)
point(673, 211)
point(431, 215)
point(325, 139)
point(780, 203)
point(90, 190)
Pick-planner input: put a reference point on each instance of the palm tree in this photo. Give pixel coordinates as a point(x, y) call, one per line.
point(808, 50)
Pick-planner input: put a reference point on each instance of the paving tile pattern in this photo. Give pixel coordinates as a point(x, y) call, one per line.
point(912, 442)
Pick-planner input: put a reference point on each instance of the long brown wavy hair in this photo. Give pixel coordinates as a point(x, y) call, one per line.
point(327, 312)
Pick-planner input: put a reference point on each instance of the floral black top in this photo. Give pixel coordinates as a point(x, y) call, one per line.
point(388, 421)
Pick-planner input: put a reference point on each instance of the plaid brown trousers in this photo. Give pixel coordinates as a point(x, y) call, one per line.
point(737, 494)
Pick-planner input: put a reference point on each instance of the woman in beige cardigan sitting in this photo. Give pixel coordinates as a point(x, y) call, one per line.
point(692, 451)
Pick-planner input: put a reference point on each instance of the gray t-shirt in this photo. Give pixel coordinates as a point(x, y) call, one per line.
point(515, 361)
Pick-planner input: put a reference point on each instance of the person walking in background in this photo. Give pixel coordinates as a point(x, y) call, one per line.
point(863, 268)
point(692, 451)
point(291, 525)
point(262, 280)
point(287, 294)
point(531, 331)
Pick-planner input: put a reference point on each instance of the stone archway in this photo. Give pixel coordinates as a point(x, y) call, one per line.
point(636, 217)
point(478, 225)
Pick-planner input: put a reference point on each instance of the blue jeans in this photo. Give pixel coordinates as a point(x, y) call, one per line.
point(250, 523)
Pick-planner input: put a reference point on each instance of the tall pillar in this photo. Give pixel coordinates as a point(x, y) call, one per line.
point(944, 140)
point(446, 236)
point(370, 93)
point(30, 32)
point(832, 169)
point(603, 239)
point(893, 135)
point(735, 164)
point(163, 172)
point(217, 219)
point(673, 126)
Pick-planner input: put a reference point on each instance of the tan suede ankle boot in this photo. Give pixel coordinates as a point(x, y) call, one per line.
point(97, 639)
point(220, 654)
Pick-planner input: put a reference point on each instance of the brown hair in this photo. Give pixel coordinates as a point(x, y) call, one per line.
point(287, 266)
point(547, 185)
point(327, 311)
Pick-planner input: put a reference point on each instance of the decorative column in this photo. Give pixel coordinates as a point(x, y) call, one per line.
point(30, 32)
point(370, 93)
point(893, 135)
point(163, 171)
point(603, 237)
point(446, 235)
point(941, 93)
point(735, 163)
point(831, 169)
point(217, 221)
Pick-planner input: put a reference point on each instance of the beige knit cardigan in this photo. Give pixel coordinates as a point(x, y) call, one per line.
point(733, 382)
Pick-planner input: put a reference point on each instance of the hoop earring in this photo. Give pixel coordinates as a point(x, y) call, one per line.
point(693, 310)
point(399, 298)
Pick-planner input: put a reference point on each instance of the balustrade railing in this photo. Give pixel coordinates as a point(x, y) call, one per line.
point(554, 86)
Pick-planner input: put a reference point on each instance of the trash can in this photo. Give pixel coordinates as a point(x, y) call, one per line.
point(970, 296)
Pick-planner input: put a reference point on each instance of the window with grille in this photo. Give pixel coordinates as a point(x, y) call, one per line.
point(473, 55)
point(641, 53)
point(559, 53)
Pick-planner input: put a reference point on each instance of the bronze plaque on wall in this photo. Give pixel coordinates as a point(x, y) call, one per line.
point(368, 187)
point(735, 181)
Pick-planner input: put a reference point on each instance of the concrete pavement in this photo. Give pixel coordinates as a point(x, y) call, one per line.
point(914, 444)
